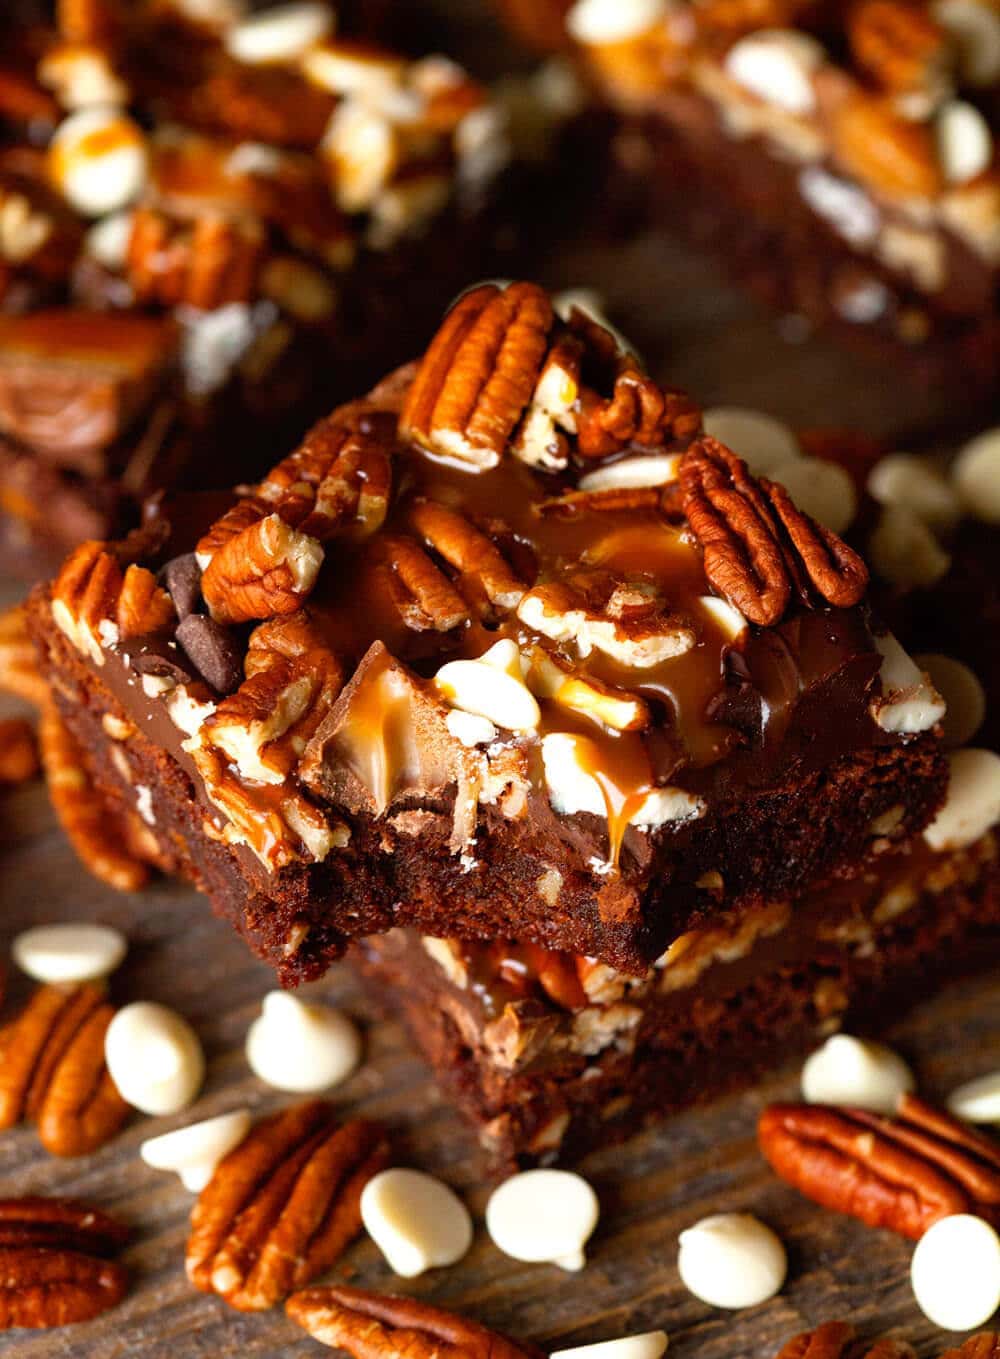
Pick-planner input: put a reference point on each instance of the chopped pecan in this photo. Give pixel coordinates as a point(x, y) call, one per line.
point(282, 1207)
point(53, 1263)
point(478, 375)
point(374, 1326)
point(738, 521)
point(85, 598)
point(838, 1340)
point(893, 154)
point(266, 569)
point(53, 1071)
point(82, 812)
point(211, 262)
point(338, 481)
point(615, 500)
point(903, 1173)
point(481, 565)
point(18, 660)
point(238, 517)
point(899, 43)
point(143, 607)
point(18, 751)
point(423, 595)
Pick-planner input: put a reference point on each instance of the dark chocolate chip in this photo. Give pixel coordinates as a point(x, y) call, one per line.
point(156, 655)
point(213, 650)
point(182, 577)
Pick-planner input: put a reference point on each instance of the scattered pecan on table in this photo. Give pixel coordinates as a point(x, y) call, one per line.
point(282, 1206)
point(54, 1265)
point(379, 1326)
point(838, 1340)
point(902, 1173)
point(53, 1072)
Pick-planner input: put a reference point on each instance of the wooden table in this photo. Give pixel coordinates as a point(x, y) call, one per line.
point(718, 345)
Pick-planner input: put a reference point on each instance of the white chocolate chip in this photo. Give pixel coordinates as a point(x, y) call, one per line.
point(195, 1151)
point(961, 691)
point(763, 442)
point(572, 788)
point(726, 616)
point(975, 474)
point(76, 952)
point(909, 702)
point(543, 1216)
point(955, 1272)
point(820, 488)
point(154, 1058)
point(652, 469)
point(470, 729)
point(596, 22)
point(731, 1260)
point(972, 805)
point(491, 687)
point(975, 29)
point(417, 1222)
point(964, 141)
point(363, 149)
point(347, 68)
point(301, 1047)
point(649, 1345)
point(107, 241)
point(851, 1071)
point(903, 550)
point(777, 65)
point(977, 1101)
point(283, 33)
point(916, 485)
point(98, 160)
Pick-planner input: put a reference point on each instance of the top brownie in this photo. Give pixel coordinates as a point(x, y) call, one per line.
point(506, 648)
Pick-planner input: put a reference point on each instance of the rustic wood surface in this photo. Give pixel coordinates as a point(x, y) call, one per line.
point(722, 348)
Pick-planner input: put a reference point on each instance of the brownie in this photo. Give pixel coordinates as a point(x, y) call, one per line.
point(840, 158)
point(204, 248)
point(550, 1055)
point(523, 653)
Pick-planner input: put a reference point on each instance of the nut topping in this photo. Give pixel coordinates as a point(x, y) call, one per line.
point(479, 374)
point(266, 569)
point(903, 1173)
point(738, 521)
point(53, 1071)
point(52, 1262)
point(208, 264)
point(899, 43)
point(283, 1206)
point(374, 1326)
point(337, 481)
point(480, 564)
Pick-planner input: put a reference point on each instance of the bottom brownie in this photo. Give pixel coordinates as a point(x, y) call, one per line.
point(552, 1055)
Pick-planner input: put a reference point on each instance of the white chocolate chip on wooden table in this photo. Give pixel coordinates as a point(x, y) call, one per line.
point(762, 441)
point(975, 475)
point(955, 1272)
point(280, 34)
point(301, 1047)
point(649, 1345)
point(70, 953)
point(416, 1221)
point(972, 804)
point(154, 1058)
point(918, 486)
point(195, 1151)
point(962, 692)
point(731, 1260)
point(543, 1216)
point(848, 1070)
point(904, 551)
point(977, 1101)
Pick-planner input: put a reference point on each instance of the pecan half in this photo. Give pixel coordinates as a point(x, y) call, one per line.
point(482, 567)
point(902, 1173)
point(375, 1326)
point(756, 544)
point(82, 811)
point(338, 481)
point(424, 597)
point(837, 1340)
point(212, 262)
point(266, 569)
point(85, 598)
point(53, 1265)
point(53, 1071)
point(143, 607)
point(18, 751)
point(283, 1206)
point(479, 373)
point(899, 43)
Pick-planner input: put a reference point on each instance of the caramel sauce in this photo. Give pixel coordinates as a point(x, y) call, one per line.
point(377, 739)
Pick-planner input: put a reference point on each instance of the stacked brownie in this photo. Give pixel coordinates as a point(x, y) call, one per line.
point(841, 157)
point(511, 649)
point(208, 226)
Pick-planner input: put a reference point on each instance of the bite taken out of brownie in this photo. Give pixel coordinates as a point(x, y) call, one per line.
point(506, 648)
